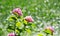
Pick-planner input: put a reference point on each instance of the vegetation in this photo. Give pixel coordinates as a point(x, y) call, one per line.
point(44, 12)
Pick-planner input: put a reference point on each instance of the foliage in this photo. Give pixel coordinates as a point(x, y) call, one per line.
point(44, 12)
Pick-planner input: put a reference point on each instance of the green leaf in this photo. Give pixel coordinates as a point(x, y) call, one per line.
point(12, 18)
point(40, 34)
point(18, 24)
point(25, 22)
point(48, 31)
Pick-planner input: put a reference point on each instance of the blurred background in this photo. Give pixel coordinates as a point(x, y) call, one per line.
point(44, 12)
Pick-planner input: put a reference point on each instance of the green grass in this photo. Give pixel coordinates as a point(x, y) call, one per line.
point(46, 12)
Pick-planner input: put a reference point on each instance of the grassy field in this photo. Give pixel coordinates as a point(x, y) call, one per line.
point(44, 12)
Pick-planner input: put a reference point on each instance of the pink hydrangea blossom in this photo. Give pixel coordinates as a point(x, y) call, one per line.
point(29, 19)
point(18, 11)
point(50, 28)
point(11, 34)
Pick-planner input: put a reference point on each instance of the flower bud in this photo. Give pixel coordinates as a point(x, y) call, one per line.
point(17, 11)
point(11, 34)
point(50, 28)
point(29, 19)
